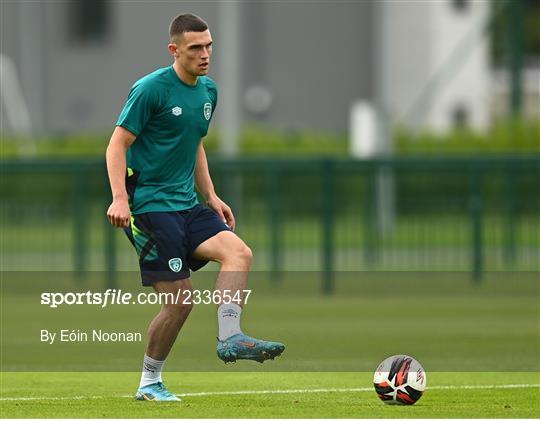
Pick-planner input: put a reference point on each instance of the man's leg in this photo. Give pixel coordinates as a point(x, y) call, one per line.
point(164, 328)
point(162, 334)
point(235, 258)
point(233, 255)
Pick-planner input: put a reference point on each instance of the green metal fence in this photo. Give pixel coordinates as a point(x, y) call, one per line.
point(324, 215)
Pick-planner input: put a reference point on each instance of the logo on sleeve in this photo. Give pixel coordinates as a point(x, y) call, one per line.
point(176, 111)
point(175, 264)
point(207, 110)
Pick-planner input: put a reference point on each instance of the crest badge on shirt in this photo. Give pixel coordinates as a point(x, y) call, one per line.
point(175, 264)
point(207, 110)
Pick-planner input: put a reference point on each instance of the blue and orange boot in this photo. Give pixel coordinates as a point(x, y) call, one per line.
point(243, 347)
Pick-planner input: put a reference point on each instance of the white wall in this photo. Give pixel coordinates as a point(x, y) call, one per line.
point(468, 81)
point(438, 62)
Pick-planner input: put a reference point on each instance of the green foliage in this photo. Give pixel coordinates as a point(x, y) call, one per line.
point(532, 27)
point(258, 140)
point(503, 137)
point(501, 28)
point(74, 145)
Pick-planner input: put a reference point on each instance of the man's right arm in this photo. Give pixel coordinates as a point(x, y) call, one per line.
point(118, 213)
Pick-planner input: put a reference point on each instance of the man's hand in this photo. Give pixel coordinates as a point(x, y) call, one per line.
point(222, 209)
point(119, 214)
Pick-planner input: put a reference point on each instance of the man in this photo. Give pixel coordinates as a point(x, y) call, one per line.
point(161, 127)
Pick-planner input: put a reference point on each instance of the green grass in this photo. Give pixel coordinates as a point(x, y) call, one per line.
point(444, 320)
point(463, 334)
point(108, 395)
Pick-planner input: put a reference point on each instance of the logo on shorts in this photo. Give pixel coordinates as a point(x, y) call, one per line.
point(176, 111)
point(175, 264)
point(207, 110)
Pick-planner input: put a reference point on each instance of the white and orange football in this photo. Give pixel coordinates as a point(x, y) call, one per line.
point(400, 379)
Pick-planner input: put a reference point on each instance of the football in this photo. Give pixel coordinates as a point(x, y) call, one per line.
point(400, 379)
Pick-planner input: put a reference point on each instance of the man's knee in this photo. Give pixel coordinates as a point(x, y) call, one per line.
point(246, 254)
point(240, 253)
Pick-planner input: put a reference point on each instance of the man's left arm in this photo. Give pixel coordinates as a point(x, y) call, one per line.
point(205, 187)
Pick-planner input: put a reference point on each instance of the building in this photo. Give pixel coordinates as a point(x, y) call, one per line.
point(300, 65)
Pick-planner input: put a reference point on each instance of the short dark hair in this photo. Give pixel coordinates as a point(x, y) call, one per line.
point(186, 23)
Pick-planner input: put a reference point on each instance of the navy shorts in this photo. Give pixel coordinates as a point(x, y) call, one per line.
point(165, 241)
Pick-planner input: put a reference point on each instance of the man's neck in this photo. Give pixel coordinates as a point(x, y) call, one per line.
point(184, 76)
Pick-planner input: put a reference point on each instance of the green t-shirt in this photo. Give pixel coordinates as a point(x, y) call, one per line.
point(169, 118)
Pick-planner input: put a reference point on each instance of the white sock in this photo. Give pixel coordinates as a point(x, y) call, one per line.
point(151, 372)
point(228, 320)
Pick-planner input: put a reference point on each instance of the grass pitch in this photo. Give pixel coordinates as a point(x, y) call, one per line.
point(266, 395)
point(478, 343)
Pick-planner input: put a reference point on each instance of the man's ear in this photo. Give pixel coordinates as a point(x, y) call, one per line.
point(173, 49)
